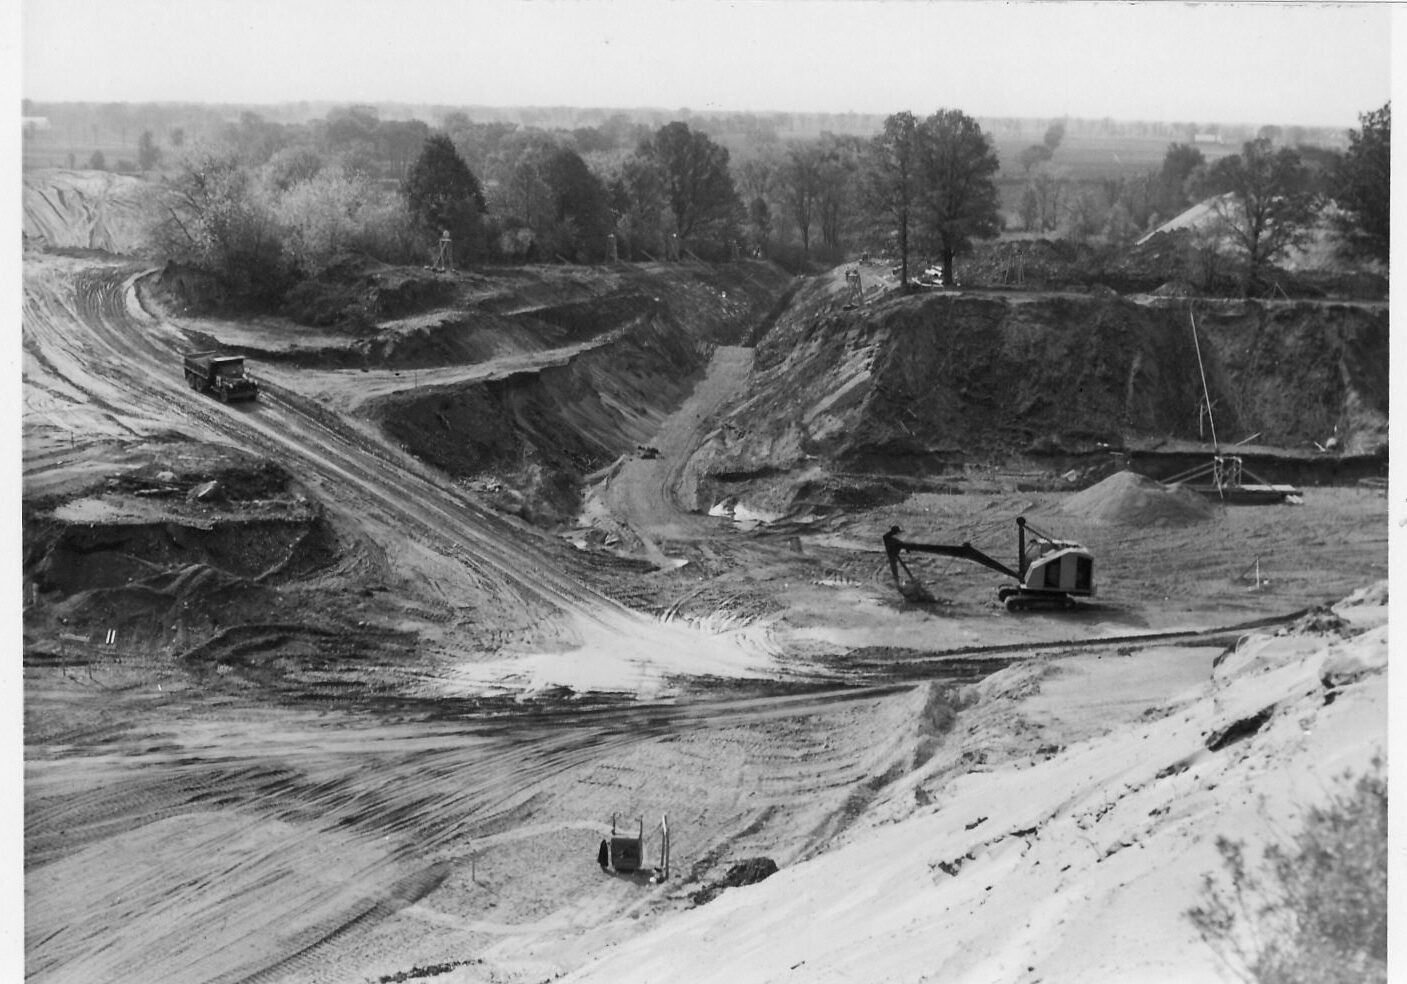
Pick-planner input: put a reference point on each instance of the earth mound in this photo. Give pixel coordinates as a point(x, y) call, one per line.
point(1129, 499)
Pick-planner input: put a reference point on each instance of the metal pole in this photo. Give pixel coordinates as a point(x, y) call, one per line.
point(1211, 421)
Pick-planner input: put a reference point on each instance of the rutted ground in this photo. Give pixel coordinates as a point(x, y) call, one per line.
point(277, 654)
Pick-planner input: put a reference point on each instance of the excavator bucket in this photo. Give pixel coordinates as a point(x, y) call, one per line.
point(913, 590)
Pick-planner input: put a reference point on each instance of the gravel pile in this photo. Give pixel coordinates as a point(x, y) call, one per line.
point(1129, 499)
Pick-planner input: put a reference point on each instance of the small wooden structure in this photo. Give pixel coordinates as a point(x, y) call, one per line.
point(444, 255)
point(1226, 470)
point(626, 855)
point(855, 288)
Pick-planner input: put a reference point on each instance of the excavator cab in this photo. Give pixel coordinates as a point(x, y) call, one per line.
point(1049, 564)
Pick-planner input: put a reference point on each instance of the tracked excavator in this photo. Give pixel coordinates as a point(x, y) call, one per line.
point(1049, 573)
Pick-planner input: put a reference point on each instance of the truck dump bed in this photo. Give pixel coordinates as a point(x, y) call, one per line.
point(221, 374)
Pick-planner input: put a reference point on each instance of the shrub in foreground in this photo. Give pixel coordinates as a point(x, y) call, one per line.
point(1315, 910)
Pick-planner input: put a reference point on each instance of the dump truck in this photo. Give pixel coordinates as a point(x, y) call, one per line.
point(223, 375)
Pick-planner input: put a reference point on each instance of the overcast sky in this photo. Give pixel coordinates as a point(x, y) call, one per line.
point(1300, 63)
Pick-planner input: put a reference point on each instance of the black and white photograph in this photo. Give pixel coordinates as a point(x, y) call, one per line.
point(701, 492)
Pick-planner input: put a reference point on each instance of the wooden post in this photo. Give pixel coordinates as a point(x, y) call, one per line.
point(664, 845)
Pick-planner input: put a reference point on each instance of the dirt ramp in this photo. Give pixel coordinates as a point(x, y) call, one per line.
point(528, 438)
point(1129, 499)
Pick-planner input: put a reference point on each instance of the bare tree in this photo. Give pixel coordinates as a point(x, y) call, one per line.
point(801, 179)
point(835, 185)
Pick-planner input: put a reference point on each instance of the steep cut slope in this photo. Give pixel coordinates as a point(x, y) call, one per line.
point(917, 384)
point(537, 431)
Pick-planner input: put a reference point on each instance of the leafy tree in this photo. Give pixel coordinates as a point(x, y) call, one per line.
point(698, 187)
point(891, 185)
point(638, 199)
point(759, 180)
point(1033, 155)
point(1030, 208)
point(517, 168)
point(178, 137)
point(1179, 164)
point(580, 205)
point(759, 217)
point(254, 138)
point(1119, 225)
point(398, 141)
point(757, 176)
point(321, 218)
point(220, 222)
point(1137, 197)
point(97, 162)
point(1045, 150)
point(1048, 192)
point(1086, 215)
point(1265, 206)
point(592, 140)
point(442, 194)
point(477, 143)
point(293, 165)
point(1363, 185)
point(148, 153)
point(958, 190)
point(350, 125)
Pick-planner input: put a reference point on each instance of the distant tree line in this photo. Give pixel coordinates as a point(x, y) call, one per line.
point(267, 203)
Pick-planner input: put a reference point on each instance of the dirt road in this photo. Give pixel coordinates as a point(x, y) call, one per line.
point(642, 495)
point(471, 559)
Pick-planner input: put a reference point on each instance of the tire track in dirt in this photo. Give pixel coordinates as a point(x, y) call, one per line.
point(481, 548)
point(304, 959)
point(643, 493)
point(197, 903)
point(424, 794)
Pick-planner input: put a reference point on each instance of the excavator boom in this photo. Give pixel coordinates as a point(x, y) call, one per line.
point(966, 551)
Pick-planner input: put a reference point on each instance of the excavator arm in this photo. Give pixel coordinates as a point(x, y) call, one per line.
point(966, 551)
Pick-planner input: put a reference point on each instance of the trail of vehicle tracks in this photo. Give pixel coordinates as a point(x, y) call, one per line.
point(493, 576)
point(239, 841)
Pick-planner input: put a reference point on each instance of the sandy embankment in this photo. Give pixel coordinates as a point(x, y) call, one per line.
point(1064, 830)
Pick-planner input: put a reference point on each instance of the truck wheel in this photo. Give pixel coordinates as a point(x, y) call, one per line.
point(224, 396)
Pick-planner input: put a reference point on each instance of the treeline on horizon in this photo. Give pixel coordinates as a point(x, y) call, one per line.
point(266, 199)
point(118, 123)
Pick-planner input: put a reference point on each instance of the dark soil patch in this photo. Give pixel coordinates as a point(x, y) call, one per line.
point(748, 872)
